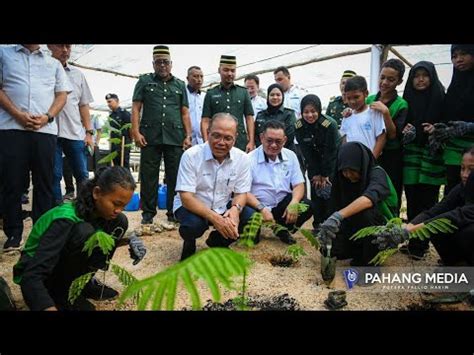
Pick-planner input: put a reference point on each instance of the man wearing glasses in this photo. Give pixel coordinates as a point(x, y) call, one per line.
point(209, 174)
point(277, 182)
point(164, 130)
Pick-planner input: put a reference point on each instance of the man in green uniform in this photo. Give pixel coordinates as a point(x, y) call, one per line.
point(164, 129)
point(336, 103)
point(230, 98)
point(119, 118)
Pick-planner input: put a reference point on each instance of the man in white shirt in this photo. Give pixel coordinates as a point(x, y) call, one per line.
point(75, 133)
point(252, 83)
point(208, 175)
point(277, 182)
point(33, 90)
point(196, 100)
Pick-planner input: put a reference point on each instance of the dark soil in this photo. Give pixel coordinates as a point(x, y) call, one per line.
point(281, 260)
point(277, 303)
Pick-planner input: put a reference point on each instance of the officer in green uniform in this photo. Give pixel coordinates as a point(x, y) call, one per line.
point(336, 103)
point(319, 139)
point(119, 118)
point(164, 129)
point(230, 98)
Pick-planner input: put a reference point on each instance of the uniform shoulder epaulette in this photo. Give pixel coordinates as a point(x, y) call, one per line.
point(326, 123)
point(299, 123)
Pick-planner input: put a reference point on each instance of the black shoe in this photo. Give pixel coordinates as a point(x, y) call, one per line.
point(98, 291)
point(81, 304)
point(286, 237)
point(25, 214)
point(147, 221)
point(172, 219)
point(12, 244)
point(189, 248)
point(25, 199)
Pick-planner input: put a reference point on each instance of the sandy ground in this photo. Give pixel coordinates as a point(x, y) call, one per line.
point(302, 281)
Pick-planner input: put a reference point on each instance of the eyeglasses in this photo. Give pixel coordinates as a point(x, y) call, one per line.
point(278, 142)
point(162, 62)
point(218, 137)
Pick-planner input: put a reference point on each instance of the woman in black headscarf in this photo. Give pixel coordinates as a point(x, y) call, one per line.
point(459, 107)
point(423, 173)
point(276, 111)
point(319, 140)
point(362, 195)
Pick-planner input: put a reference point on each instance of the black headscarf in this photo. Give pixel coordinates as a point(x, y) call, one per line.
point(469, 189)
point(311, 100)
point(424, 106)
point(459, 102)
point(355, 156)
point(272, 109)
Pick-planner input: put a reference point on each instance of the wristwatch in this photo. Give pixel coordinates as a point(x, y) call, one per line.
point(239, 207)
point(50, 118)
point(260, 207)
point(90, 131)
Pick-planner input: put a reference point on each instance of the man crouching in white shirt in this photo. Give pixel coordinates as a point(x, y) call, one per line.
point(277, 182)
point(209, 175)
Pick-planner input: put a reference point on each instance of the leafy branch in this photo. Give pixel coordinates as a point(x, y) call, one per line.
point(214, 266)
point(99, 239)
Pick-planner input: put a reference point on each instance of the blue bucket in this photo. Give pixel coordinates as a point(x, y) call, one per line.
point(134, 204)
point(162, 192)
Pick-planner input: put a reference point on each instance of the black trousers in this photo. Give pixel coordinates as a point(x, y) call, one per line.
point(456, 247)
point(21, 152)
point(392, 162)
point(279, 210)
point(74, 262)
point(150, 160)
point(361, 251)
point(420, 197)
point(453, 175)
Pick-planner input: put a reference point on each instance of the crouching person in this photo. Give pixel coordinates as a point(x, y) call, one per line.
point(209, 175)
point(277, 182)
point(362, 195)
point(53, 256)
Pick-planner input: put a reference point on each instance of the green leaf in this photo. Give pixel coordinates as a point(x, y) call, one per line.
point(99, 239)
point(310, 237)
point(116, 130)
point(249, 234)
point(115, 140)
point(214, 265)
point(108, 158)
point(125, 278)
point(295, 251)
point(110, 119)
point(78, 285)
point(382, 256)
point(126, 126)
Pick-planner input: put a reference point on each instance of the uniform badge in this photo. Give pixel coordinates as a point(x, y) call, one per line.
point(298, 124)
point(326, 123)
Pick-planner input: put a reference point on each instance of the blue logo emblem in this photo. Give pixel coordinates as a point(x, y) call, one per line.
point(351, 277)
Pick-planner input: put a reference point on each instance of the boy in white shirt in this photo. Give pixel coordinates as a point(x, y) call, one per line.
point(365, 125)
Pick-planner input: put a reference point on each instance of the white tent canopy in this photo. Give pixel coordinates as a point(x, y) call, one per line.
point(321, 77)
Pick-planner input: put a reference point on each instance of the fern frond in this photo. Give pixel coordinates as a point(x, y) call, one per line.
point(125, 278)
point(108, 158)
point(99, 239)
point(310, 237)
point(78, 285)
point(295, 251)
point(298, 208)
point(442, 225)
point(214, 266)
point(367, 231)
point(382, 256)
point(249, 234)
